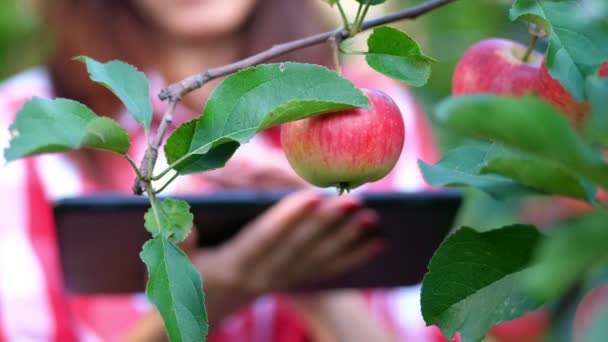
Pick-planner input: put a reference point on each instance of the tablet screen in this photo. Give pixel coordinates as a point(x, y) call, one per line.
point(100, 236)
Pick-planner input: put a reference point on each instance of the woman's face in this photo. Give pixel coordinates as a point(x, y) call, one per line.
point(192, 19)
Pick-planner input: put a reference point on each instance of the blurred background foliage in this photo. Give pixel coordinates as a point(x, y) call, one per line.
point(443, 35)
point(22, 40)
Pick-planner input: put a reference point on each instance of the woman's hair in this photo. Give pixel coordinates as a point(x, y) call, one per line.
point(112, 29)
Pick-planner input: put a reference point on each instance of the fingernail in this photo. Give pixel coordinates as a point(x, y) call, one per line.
point(313, 203)
point(368, 222)
point(350, 206)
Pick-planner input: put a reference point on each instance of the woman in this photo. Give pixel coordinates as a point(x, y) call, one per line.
point(171, 40)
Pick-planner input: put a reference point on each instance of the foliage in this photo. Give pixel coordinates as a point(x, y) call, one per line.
point(521, 146)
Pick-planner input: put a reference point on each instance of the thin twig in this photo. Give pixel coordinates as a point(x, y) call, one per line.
point(335, 50)
point(147, 164)
point(176, 91)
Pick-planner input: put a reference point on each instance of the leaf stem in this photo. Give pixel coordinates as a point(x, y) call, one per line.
point(357, 17)
point(134, 166)
point(345, 22)
point(357, 26)
point(153, 201)
point(162, 188)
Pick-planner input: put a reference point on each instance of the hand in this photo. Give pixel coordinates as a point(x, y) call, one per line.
point(303, 238)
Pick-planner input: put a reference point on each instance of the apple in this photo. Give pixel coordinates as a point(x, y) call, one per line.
point(553, 92)
point(346, 148)
point(496, 66)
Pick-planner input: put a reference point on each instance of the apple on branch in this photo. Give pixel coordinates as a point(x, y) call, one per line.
point(347, 148)
point(553, 92)
point(497, 66)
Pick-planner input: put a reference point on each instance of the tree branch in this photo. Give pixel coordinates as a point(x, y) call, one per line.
point(147, 163)
point(176, 91)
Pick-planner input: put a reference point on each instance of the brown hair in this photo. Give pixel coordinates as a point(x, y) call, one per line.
point(111, 29)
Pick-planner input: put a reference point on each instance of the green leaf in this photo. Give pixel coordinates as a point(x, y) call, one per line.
point(170, 217)
point(597, 126)
point(528, 125)
point(127, 83)
point(501, 173)
point(251, 101)
point(530, 11)
point(43, 126)
point(462, 167)
point(395, 54)
point(175, 288)
point(371, 2)
point(577, 43)
point(473, 280)
point(576, 246)
point(539, 174)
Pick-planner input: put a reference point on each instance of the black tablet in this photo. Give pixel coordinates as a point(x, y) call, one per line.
point(100, 236)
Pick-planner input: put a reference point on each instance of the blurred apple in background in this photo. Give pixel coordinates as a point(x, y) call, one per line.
point(496, 66)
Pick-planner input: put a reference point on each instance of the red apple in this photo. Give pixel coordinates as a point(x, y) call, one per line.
point(552, 91)
point(347, 148)
point(496, 66)
point(532, 327)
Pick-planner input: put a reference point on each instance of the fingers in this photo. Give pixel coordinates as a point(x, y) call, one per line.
point(265, 232)
point(316, 226)
point(357, 256)
point(339, 242)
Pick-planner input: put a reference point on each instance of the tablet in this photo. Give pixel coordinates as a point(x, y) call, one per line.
point(100, 236)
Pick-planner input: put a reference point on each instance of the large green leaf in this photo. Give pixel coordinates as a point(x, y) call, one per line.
point(175, 288)
point(395, 54)
point(127, 83)
point(578, 44)
point(172, 218)
point(542, 175)
point(59, 125)
point(596, 127)
point(576, 247)
point(528, 125)
point(473, 280)
point(462, 167)
point(253, 100)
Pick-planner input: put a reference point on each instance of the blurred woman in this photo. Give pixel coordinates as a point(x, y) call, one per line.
point(170, 40)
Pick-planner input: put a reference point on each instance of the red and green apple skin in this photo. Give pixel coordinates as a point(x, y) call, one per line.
point(553, 92)
point(496, 66)
point(347, 148)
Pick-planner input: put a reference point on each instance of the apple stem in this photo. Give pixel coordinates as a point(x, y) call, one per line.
point(343, 188)
point(530, 48)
